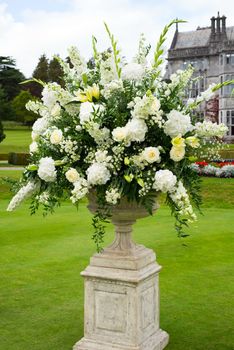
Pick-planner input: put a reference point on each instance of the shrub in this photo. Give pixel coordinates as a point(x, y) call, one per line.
point(18, 158)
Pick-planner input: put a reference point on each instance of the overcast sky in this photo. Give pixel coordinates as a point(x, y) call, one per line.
point(30, 28)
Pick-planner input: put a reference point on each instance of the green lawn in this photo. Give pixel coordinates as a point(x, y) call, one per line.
point(15, 141)
point(41, 290)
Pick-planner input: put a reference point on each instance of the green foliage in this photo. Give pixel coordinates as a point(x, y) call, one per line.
point(21, 113)
point(2, 135)
point(6, 111)
point(10, 77)
point(159, 47)
point(116, 51)
point(55, 71)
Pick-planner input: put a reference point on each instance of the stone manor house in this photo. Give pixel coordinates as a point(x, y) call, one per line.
point(211, 52)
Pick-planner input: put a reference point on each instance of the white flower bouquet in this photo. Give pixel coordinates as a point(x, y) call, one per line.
point(118, 129)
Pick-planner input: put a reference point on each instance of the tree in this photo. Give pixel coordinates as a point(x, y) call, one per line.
point(10, 77)
point(6, 111)
point(55, 72)
point(2, 135)
point(41, 73)
point(21, 113)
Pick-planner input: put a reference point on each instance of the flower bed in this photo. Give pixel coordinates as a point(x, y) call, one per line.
point(218, 169)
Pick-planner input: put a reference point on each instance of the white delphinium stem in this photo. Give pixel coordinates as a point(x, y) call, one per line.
point(24, 193)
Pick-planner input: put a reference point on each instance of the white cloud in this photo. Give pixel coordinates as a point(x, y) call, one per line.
point(41, 32)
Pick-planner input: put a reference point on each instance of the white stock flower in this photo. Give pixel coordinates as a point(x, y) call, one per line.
point(133, 71)
point(180, 197)
point(112, 196)
point(151, 155)
point(144, 107)
point(56, 137)
point(209, 129)
point(80, 189)
point(177, 124)
point(115, 86)
point(50, 95)
point(55, 111)
point(164, 181)
point(46, 170)
point(33, 147)
point(72, 175)
point(206, 95)
point(25, 192)
point(102, 157)
point(177, 153)
point(98, 174)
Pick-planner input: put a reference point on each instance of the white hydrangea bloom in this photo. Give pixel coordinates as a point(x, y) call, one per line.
point(136, 129)
point(209, 129)
point(100, 135)
point(177, 124)
point(164, 181)
point(133, 71)
point(46, 170)
point(80, 190)
point(112, 196)
point(98, 174)
point(25, 192)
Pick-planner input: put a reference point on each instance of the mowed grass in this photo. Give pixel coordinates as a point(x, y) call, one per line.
point(41, 289)
point(16, 141)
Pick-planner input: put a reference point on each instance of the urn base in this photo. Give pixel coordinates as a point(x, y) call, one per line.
point(157, 341)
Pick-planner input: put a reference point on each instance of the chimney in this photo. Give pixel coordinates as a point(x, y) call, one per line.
point(223, 24)
point(212, 25)
point(218, 23)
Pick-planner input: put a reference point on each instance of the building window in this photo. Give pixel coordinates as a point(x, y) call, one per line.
point(227, 90)
point(221, 60)
point(229, 58)
point(230, 122)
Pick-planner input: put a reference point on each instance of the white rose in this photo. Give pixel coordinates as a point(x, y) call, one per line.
point(46, 170)
point(72, 175)
point(165, 181)
point(55, 111)
point(40, 126)
point(151, 154)
point(33, 147)
point(177, 153)
point(98, 174)
point(120, 134)
point(56, 137)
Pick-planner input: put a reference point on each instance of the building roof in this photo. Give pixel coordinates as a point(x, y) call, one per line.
point(198, 38)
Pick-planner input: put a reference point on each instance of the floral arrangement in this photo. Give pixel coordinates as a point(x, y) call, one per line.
point(117, 128)
point(221, 169)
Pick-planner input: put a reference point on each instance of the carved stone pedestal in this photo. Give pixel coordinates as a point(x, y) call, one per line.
point(122, 293)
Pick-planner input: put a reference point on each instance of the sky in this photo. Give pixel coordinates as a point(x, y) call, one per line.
point(29, 29)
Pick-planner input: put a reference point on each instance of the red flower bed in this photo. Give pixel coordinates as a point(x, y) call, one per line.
point(219, 165)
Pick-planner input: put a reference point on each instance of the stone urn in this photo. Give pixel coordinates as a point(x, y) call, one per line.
point(121, 289)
